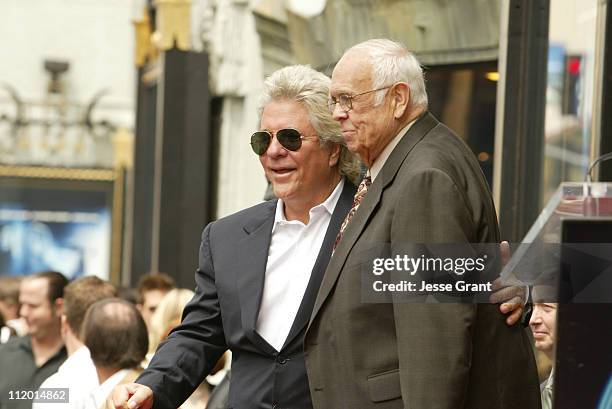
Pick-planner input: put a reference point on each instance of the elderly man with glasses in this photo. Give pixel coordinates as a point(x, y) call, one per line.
point(423, 186)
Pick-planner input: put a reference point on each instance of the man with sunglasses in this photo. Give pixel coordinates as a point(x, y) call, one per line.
point(423, 186)
point(260, 269)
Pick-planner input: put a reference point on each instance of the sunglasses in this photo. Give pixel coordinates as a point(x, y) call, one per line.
point(289, 138)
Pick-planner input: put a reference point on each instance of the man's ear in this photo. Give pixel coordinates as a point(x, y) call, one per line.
point(59, 306)
point(334, 156)
point(64, 324)
point(400, 94)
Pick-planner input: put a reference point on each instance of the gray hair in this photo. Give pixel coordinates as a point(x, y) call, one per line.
point(309, 87)
point(391, 63)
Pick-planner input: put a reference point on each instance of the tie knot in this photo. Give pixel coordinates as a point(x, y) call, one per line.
point(361, 192)
point(363, 186)
point(366, 182)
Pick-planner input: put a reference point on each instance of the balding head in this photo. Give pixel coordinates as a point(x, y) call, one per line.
point(389, 62)
point(115, 334)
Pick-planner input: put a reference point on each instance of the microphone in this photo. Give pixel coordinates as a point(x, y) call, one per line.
point(602, 158)
point(590, 206)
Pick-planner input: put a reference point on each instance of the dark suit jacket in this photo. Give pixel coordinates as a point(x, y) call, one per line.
point(223, 314)
point(416, 355)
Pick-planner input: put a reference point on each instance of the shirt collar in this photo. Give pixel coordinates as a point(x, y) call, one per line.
point(75, 360)
point(384, 155)
point(551, 377)
point(115, 378)
point(82, 353)
point(25, 342)
point(329, 205)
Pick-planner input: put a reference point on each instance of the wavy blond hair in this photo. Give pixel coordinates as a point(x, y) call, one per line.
point(167, 315)
point(310, 88)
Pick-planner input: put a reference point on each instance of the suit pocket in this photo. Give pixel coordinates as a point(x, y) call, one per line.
point(384, 386)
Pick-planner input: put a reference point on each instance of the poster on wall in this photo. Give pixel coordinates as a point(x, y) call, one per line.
point(60, 219)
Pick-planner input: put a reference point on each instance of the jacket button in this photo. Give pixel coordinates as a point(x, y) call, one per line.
point(282, 361)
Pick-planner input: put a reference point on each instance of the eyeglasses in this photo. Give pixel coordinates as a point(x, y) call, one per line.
point(346, 100)
point(289, 138)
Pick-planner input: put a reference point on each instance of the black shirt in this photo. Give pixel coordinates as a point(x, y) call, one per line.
point(18, 371)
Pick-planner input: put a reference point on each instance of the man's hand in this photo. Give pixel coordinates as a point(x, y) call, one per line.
point(130, 396)
point(511, 299)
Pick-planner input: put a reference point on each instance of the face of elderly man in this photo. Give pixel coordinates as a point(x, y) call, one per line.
point(302, 178)
point(367, 128)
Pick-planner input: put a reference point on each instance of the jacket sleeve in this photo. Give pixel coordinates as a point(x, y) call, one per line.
point(434, 341)
point(190, 352)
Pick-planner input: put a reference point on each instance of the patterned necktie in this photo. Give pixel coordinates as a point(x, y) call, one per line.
point(361, 192)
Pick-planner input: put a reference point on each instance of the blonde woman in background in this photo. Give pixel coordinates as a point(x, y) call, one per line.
point(167, 316)
point(9, 309)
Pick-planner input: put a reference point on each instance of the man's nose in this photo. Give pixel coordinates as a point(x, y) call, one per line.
point(275, 149)
point(339, 113)
point(535, 319)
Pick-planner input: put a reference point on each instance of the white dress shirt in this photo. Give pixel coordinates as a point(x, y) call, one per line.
point(294, 247)
point(78, 374)
point(379, 162)
point(546, 390)
point(98, 396)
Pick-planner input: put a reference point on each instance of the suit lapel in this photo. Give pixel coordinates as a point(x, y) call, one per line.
point(414, 135)
point(358, 223)
point(252, 257)
point(344, 204)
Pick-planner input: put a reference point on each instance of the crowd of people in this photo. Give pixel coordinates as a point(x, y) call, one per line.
point(279, 284)
point(68, 344)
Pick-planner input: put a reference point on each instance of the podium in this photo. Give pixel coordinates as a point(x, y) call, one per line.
point(566, 257)
point(568, 249)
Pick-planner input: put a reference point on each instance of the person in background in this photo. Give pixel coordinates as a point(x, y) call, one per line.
point(9, 297)
point(33, 358)
point(78, 372)
point(116, 336)
point(5, 330)
point(128, 294)
point(167, 316)
point(543, 324)
point(151, 289)
point(9, 309)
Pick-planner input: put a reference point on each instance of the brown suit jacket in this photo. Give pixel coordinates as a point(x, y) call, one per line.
point(416, 355)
